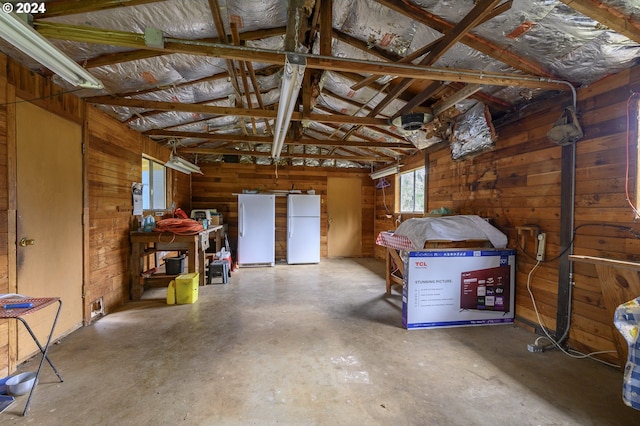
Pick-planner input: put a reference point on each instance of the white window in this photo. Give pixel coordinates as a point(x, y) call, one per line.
point(154, 185)
point(412, 191)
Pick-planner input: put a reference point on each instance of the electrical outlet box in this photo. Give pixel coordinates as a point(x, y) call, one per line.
point(542, 241)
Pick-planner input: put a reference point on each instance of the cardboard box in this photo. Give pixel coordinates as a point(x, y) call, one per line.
point(458, 287)
point(216, 219)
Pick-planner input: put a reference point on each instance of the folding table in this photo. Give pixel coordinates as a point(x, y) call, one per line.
point(37, 303)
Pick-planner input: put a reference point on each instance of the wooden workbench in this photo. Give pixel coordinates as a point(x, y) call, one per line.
point(144, 243)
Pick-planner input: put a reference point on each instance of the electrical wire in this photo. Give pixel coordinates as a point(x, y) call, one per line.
point(633, 232)
point(569, 352)
point(384, 201)
point(626, 180)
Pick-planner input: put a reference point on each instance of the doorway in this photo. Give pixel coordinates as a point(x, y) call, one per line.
point(49, 219)
point(344, 216)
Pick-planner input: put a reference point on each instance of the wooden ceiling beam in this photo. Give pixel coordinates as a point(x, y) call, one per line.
point(216, 15)
point(72, 7)
point(427, 93)
point(135, 40)
point(215, 151)
point(489, 48)
point(267, 140)
point(219, 76)
point(496, 103)
point(380, 129)
point(239, 112)
point(120, 57)
point(370, 147)
point(235, 37)
point(477, 15)
point(407, 59)
point(326, 27)
point(151, 113)
point(427, 48)
point(140, 54)
point(609, 16)
point(363, 46)
point(367, 140)
point(458, 96)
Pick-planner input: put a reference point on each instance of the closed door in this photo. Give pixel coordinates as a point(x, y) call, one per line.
point(344, 214)
point(49, 219)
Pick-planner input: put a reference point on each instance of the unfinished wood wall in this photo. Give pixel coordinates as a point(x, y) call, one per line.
point(220, 181)
point(4, 216)
point(114, 154)
point(112, 161)
point(17, 82)
point(386, 217)
point(518, 184)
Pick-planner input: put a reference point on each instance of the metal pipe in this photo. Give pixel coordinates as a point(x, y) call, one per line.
point(399, 65)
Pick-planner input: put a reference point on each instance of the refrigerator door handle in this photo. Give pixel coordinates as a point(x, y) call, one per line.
point(241, 219)
point(290, 228)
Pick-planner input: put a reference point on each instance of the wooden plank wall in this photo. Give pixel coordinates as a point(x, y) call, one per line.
point(601, 199)
point(518, 184)
point(221, 180)
point(385, 217)
point(112, 161)
point(18, 82)
point(4, 216)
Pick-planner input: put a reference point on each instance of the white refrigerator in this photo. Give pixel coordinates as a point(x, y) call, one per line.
point(256, 229)
point(303, 228)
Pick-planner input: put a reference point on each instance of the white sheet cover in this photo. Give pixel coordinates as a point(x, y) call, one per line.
point(454, 228)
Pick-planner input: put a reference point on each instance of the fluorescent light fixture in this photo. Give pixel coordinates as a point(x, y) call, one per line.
point(182, 165)
point(294, 66)
point(385, 172)
point(23, 37)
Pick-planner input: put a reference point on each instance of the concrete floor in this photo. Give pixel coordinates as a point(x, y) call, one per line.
point(310, 344)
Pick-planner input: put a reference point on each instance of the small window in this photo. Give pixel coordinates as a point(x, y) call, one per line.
point(412, 191)
point(154, 185)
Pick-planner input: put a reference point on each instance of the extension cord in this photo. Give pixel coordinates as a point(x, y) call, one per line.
point(534, 348)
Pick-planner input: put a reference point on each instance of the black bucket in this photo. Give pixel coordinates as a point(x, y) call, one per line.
point(174, 265)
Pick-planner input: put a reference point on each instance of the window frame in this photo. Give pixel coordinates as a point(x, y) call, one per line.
point(149, 189)
point(400, 190)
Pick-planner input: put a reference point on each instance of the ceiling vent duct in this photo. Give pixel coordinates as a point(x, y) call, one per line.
point(412, 122)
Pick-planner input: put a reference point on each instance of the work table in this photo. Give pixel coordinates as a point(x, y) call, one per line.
point(195, 245)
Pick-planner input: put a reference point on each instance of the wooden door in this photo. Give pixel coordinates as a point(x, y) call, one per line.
point(49, 201)
point(344, 214)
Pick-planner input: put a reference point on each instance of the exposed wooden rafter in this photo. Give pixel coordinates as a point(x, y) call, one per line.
point(608, 15)
point(240, 112)
point(136, 40)
point(414, 78)
point(210, 151)
point(454, 35)
point(268, 140)
point(493, 50)
point(72, 7)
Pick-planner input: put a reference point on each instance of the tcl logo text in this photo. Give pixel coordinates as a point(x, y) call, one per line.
point(421, 264)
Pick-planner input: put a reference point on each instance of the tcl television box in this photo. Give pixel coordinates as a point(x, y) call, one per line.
point(458, 287)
